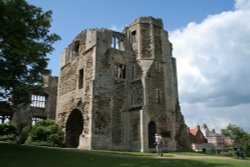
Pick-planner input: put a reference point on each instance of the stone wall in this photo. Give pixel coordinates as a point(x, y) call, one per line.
point(121, 83)
point(26, 113)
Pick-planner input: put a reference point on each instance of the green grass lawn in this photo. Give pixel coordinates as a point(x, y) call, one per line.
point(12, 155)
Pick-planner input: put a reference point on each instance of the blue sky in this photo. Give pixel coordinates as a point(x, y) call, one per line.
point(70, 17)
point(211, 40)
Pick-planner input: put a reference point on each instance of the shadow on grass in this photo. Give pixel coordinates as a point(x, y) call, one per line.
point(12, 155)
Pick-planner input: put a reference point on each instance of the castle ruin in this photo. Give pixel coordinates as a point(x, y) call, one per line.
point(42, 106)
point(116, 90)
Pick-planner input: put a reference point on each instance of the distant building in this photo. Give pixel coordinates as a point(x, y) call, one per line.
point(217, 140)
point(228, 141)
point(196, 136)
point(197, 139)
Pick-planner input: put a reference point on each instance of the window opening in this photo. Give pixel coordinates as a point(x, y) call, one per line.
point(115, 43)
point(38, 101)
point(133, 36)
point(81, 77)
point(76, 47)
point(120, 71)
point(4, 119)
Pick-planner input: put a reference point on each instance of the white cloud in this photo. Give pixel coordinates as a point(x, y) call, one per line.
point(115, 28)
point(213, 68)
point(242, 4)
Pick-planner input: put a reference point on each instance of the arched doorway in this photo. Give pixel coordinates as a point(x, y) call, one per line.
point(151, 134)
point(74, 127)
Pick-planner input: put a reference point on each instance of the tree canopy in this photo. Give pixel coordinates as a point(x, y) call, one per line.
point(25, 41)
point(239, 137)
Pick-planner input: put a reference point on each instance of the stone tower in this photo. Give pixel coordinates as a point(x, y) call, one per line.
point(116, 90)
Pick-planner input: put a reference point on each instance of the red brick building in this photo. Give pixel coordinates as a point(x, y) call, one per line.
point(196, 136)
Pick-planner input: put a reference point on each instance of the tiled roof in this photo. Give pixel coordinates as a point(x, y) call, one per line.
point(193, 131)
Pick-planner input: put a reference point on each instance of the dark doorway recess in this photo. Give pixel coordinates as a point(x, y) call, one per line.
point(74, 127)
point(151, 134)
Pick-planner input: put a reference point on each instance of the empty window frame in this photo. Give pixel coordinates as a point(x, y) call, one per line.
point(120, 71)
point(38, 101)
point(81, 78)
point(76, 47)
point(133, 37)
point(115, 43)
point(4, 119)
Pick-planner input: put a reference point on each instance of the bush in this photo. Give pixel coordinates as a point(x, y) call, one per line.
point(8, 138)
point(246, 149)
point(7, 132)
point(45, 133)
point(7, 129)
point(227, 153)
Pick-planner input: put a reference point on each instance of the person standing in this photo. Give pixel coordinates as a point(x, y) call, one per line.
point(158, 143)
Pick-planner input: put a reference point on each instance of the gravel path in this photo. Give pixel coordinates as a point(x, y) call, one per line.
point(177, 156)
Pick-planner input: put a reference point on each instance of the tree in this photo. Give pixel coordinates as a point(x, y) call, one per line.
point(24, 43)
point(239, 137)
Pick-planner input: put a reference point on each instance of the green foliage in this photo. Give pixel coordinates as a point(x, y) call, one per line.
point(8, 138)
point(23, 135)
point(7, 129)
point(7, 132)
point(45, 133)
point(237, 134)
point(239, 137)
point(24, 43)
point(227, 153)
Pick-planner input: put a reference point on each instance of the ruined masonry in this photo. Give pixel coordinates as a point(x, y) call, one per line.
point(116, 90)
